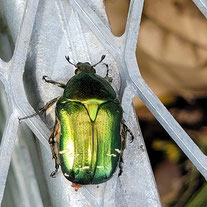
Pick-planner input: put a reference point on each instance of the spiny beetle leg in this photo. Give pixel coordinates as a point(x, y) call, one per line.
point(54, 141)
point(121, 165)
point(52, 144)
point(27, 117)
point(129, 131)
point(48, 106)
point(55, 171)
point(54, 156)
point(42, 110)
point(124, 131)
point(123, 135)
point(61, 85)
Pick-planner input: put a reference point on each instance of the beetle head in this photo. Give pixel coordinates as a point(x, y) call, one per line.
point(84, 67)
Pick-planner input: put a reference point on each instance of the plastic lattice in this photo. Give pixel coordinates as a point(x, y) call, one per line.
point(49, 30)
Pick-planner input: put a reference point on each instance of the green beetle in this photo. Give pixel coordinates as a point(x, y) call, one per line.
point(86, 141)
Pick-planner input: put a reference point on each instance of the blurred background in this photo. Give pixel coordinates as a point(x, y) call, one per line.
point(171, 54)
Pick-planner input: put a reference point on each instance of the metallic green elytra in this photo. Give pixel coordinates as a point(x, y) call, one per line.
point(86, 141)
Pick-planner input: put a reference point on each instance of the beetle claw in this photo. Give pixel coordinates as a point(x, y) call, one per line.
point(44, 77)
point(53, 174)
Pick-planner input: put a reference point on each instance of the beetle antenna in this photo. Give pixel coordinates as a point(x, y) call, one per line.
point(103, 56)
point(68, 59)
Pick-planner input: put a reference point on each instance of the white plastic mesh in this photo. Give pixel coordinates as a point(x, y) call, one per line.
point(49, 30)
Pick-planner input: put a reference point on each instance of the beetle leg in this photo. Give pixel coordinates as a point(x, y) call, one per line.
point(123, 136)
point(46, 108)
point(55, 171)
point(107, 78)
point(54, 142)
point(126, 129)
point(61, 85)
point(121, 165)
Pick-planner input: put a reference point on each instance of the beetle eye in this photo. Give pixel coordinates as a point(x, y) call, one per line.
point(76, 71)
